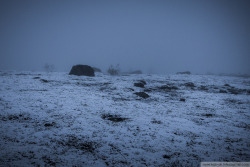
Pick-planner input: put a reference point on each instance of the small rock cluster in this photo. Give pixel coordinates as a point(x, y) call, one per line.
point(141, 84)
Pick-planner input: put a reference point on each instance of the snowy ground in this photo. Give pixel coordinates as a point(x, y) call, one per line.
point(60, 120)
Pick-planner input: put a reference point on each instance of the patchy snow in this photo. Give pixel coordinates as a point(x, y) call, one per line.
point(56, 119)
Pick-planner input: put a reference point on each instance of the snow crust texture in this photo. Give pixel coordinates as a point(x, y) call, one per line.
point(56, 119)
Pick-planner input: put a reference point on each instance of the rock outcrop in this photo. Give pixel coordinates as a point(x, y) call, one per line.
point(84, 70)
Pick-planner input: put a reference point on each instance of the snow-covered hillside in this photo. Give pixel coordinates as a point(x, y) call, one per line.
point(56, 119)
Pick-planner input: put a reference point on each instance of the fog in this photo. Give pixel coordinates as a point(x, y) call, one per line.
point(153, 36)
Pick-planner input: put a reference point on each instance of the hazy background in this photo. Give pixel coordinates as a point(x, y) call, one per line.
point(154, 36)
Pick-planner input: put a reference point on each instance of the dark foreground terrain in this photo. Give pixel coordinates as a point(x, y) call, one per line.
point(55, 119)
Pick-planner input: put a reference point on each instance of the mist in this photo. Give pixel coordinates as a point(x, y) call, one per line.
point(152, 36)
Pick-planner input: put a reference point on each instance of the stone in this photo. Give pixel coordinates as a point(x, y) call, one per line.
point(82, 70)
point(142, 94)
point(189, 84)
point(131, 89)
point(113, 118)
point(182, 99)
point(141, 85)
point(44, 80)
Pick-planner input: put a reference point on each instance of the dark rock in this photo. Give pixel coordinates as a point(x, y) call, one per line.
point(143, 82)
point(166, 87)
point(238, 91)
point(96, 69)
point(36, 78)
point(141, 85)
point(17, 117)
point(208, 115)
point(44, 80)
point(113, 118)
point(49, 124)
point(156, 122)
point(131, 89)
point(234, 91)
point(142, 94)
point(166, 156)
point(182, 99)
point(226, 85)
point(189, 84)
point(222, 91)
point(13, 117)
point(82, 70)
point(185, 72)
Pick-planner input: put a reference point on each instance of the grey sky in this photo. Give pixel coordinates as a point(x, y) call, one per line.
point(154, 36)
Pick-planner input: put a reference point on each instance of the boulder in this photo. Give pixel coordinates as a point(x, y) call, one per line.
point(80, 70)
point(141, 85)
point(142, 94)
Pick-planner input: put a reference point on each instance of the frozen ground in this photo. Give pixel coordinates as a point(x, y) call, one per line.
point(60, 120)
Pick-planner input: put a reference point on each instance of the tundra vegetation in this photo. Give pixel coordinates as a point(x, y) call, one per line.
point(56, 119)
